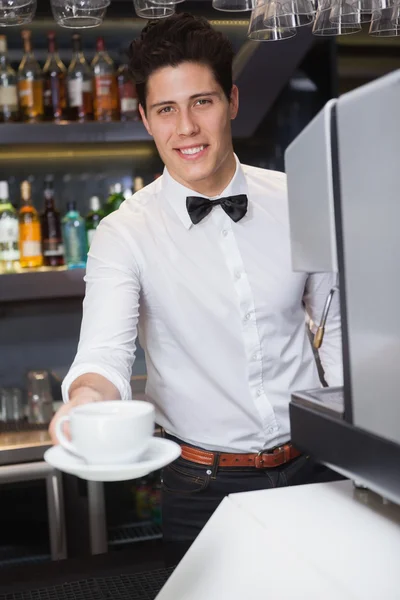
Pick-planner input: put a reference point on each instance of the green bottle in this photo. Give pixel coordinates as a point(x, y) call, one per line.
point(93, 218)
point(75, 239)
point(115, 198)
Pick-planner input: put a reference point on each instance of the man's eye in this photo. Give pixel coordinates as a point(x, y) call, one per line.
point(166, 109)
point(203, 101)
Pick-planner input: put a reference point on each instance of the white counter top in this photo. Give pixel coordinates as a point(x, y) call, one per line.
point(313, 542)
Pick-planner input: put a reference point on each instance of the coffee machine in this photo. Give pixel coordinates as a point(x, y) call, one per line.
point(344, 207)
point(332, 540)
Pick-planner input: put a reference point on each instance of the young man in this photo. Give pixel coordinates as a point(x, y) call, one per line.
point(198, 264)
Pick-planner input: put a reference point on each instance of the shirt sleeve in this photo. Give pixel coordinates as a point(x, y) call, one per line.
point(318, 286)
point(107, 343)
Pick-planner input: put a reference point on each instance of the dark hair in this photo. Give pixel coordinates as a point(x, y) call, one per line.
point(178, 39)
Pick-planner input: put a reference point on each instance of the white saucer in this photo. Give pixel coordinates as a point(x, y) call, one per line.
point(160, 453)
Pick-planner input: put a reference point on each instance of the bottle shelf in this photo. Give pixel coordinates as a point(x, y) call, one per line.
point(72, 133)
point(42, 284)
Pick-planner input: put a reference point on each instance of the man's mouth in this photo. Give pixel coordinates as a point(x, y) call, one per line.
point(192, 151)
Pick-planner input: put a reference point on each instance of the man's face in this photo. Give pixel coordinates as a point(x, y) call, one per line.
point(189, 117)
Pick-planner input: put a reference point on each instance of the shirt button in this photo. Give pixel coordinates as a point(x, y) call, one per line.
point(260, 393)
point(224, 232)
point(238, 274)
point(271, 430)
point(247, 317)
point(256, 356)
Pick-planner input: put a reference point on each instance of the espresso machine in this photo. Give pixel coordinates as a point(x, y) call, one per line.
point(338, 540)
point(344, 208)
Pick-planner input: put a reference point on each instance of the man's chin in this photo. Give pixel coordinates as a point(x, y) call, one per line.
point(193, 174)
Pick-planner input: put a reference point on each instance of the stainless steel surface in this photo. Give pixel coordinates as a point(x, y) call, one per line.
point(327, 400)
point(369, 151)
point(310, 196)
point(24, 472)
point(55, 507)
point(97, 518)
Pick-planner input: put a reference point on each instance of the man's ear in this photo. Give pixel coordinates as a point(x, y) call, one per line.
point(144, 119)
point(234, 103)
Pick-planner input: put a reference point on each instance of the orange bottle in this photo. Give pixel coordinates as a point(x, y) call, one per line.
point(30, 83)
point(30, 237)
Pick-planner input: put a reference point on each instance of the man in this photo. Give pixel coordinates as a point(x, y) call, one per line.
point(198, 263)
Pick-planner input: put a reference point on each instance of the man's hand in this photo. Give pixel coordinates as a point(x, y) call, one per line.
point(90, 387)
point(77, 400)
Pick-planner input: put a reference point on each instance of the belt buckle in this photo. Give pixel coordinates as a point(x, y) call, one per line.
point(259, 463)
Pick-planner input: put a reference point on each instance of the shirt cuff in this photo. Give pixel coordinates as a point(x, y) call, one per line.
point(115, 378)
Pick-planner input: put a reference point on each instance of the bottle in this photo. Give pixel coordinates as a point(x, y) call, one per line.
point(155, 499)
point(8, 86)
point(143, 508)
point(127, 193)
point(105, 85)
point(54, 76)
point(128, 98)
point(53, 250)
point(138, 184)
point(30, 83)
point(93, 218)
point(29, 230)
point(9, 250)
point(74, 235)
point(79, 84)
point(115, 198)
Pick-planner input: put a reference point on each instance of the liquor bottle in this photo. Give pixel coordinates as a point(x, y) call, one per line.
point(128, 98)
point(9, 251)
point(115, 199)
point(75, 240)
point(138, 184)
point(29, 230)
point(30, 83)
point(155, 499)
point(93, 218)
point(127, 193)
point(54, 75)
point(80, 84)
point(143, 508)
point(105, 85)
point(8, 86)
point(53, 250)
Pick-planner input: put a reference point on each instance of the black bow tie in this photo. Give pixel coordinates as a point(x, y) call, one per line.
point(234, 206)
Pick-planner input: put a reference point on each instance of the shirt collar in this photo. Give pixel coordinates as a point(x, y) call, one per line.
point(176, 193)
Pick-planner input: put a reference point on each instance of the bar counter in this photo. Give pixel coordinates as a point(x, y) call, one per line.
point(137, 573)
point(23, 446)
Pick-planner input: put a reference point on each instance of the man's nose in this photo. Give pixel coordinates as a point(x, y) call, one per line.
point(186, 124)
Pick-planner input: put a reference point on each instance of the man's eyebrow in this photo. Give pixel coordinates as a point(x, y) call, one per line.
point(192, 97)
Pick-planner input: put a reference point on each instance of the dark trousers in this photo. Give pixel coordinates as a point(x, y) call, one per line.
point(191, 493)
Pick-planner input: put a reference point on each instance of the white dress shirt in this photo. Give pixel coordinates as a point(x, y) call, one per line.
point(217, 308)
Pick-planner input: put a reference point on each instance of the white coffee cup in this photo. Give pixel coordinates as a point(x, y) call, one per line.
point(110, 432)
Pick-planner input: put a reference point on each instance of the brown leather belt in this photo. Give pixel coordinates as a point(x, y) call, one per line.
point(262, 460)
